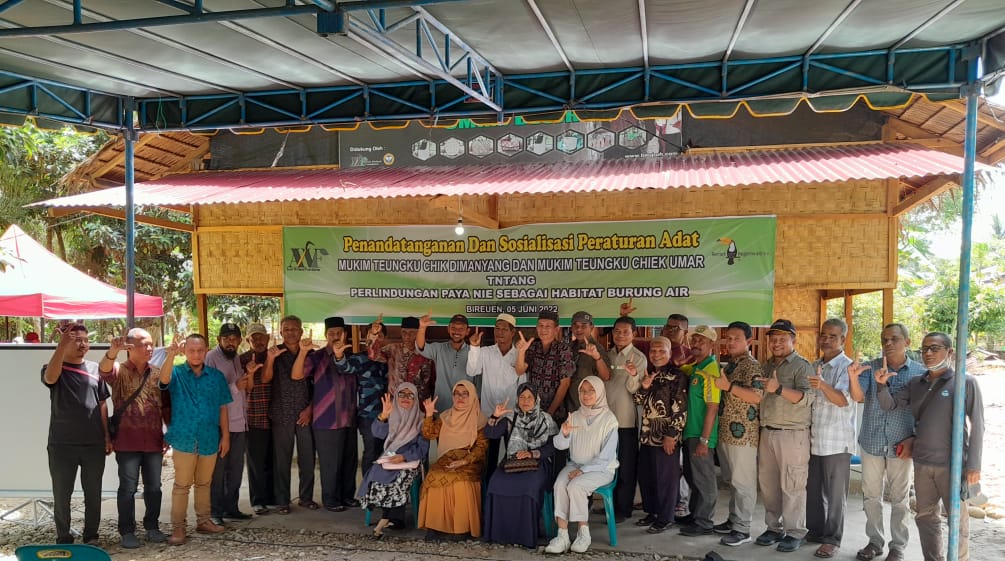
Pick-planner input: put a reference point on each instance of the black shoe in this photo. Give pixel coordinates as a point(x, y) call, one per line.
point(735, 538)
point(237, 515)
point(684, 520)
point(788, 544)
point(433, 536)
point(658, 527)
point(695, 530)
point(216, 519)
point(335, 508)
point(769, 537)
point(648, 520)
point(350, 503)
point(396, 524)
point(724, 528)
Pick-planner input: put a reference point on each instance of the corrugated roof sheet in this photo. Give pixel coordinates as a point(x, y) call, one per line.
point(803, 165)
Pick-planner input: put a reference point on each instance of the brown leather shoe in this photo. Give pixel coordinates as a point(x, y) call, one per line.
point(827, 550)
point(177, 536)
point(208, 527)
point(869, 552)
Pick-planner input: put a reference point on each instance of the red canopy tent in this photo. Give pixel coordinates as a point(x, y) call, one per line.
point(36, 283)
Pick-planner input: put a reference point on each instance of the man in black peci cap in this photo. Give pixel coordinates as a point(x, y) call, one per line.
point(548, 363)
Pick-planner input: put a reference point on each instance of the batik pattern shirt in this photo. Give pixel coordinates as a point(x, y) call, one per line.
point(664, 406)
point(740, 423)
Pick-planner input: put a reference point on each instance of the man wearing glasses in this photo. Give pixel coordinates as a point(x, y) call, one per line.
point(676, 330)
point(886, 440)
point(930, 399)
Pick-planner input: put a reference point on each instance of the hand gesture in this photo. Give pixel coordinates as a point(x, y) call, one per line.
point(501, 410)
point(117, 344)
point(815, 381)
point(273, 352)
point(627, 308)
point(631, 368)
point(568, 427)
point(307, 343)
point(476, 338)
point(427, 320)
point(386, 406)
point(590, 351)
point(721, 382)
point(856, 368)
point(883, 375)
point(430, 405)
point(375, 327)
point(177, 345)
point(523, 344)
point(252, 366)
point(771, 384)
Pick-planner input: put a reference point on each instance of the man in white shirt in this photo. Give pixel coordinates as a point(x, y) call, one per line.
point(496, 365)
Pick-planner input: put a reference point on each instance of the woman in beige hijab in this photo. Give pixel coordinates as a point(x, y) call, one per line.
point(451, 501)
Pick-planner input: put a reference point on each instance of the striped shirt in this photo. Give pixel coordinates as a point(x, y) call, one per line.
point(334, 391)
point(833, 428)
point(260, 395)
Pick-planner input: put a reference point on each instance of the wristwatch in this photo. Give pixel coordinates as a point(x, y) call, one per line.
point(703, 440)
point(778, 391)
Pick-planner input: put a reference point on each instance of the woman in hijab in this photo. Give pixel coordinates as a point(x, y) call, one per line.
point(591, 436)
point(388, 482)
point(513, 500)
point(451, 498)
point(663, 397)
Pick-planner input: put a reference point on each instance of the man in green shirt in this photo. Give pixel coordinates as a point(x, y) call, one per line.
point(701, 431)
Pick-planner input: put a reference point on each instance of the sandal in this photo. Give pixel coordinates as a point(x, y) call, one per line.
point(378, 532)
point(310, 505)
point(283, 510)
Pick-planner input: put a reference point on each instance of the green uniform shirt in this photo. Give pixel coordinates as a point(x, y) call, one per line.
point(700, 393)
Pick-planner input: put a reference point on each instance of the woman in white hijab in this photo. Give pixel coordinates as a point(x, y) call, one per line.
point(591, 436)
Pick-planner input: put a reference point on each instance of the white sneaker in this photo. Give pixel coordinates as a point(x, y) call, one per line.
point(559, 544)
point(583, 540)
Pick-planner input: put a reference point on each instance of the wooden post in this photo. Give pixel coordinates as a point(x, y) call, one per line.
point(887, 306)
point(203, 311)
point(849, 307)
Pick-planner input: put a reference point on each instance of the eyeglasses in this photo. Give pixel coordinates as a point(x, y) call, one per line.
point(406, 395)
point(933, 348)
point(461, 394)
point(672, 328)
point(587, 391)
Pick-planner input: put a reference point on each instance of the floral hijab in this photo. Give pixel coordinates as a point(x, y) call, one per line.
point(532, 429)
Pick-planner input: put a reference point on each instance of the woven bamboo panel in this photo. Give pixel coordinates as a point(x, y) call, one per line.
point(832, 251)
point(802, 308)
point(240, 259)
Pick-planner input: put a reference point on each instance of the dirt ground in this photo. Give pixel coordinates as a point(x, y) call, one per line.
point(348, 540)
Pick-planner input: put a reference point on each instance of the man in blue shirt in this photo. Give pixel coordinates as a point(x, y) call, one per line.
point(199, 431)
point(886, 440)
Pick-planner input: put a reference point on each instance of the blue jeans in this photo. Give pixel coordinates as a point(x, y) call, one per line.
point(131, 465)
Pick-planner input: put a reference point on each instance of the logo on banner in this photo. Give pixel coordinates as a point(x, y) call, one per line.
point(307, 258)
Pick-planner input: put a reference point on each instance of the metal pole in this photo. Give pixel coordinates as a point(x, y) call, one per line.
point(129, 137)
point(971, 90)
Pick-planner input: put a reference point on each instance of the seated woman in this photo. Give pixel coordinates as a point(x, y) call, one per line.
point(514, 500)
point(389, 481)
point(591, 436)
point(663, 397)
point(451, 499)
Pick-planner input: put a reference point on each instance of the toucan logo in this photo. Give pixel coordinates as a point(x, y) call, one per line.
point(730, 250)
point(307, 258)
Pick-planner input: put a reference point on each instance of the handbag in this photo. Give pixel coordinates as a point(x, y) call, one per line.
point(116, 419)
point(514, 465)
point(384, 462)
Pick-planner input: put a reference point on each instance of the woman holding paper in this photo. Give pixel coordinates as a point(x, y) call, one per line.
point(388, 482)
point(451, 493)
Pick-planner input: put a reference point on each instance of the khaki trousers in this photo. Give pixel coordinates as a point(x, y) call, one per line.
point(783, 459)
point(191, 469)
point(932, 486)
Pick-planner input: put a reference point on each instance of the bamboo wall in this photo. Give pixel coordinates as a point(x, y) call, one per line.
point(830, 236)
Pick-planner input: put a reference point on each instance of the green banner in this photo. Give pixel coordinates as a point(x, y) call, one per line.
point(713, 270)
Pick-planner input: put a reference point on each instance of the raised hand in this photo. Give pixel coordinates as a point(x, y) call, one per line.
point(427, 320)
point(117, 344)
point(340, 350)
point(523, 344)
point(815, 381)
point(476, 338)
point(627, 308)
point(591, 351)
point(858, 367)
point(252, 366)
point(429, 405)
point(386, 406)
point(568, 427)
point(501, 410)
point(375, 327)
point(273, 352)
point(631, 368)
point(883, 375)
point(771, 384)
point(177, 345)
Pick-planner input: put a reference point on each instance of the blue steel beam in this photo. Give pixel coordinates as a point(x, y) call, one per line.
point(9, 4)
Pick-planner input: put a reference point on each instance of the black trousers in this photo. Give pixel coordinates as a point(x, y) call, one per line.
point(373, 447)
point(283, 438)
point(259, 460)
point(337, 454)
point(659, 481)
point(628, 458)
point(827, 496)
point(131, 466)
point(225, 490)
point(64, 459)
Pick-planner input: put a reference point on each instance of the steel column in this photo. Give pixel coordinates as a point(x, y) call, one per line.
point(962, 308)
point(129, 138)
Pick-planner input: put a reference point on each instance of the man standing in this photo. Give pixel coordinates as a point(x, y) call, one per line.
point(548, 364)
point(290, 413)
point(676, 330)
point(930, 398)
point(886, 439)
point(198, 431)
point(78, 431)
point(450, 357)
point(259, 439)
point(334, 414)
point(139, 441)
point(404, 363)
point(626, 362)
point(783, 454)
point(496, 365)
point(701, 433)
point(739, 432)
point(832, 437)
point(590, 361)
point(371, 384)
point(227, 475)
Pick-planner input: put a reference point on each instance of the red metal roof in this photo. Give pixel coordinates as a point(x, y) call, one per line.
point(802, 165)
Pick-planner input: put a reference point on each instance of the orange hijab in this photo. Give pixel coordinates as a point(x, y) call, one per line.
point(461, 423)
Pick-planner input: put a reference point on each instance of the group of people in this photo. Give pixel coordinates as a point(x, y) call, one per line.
point(515, 421)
